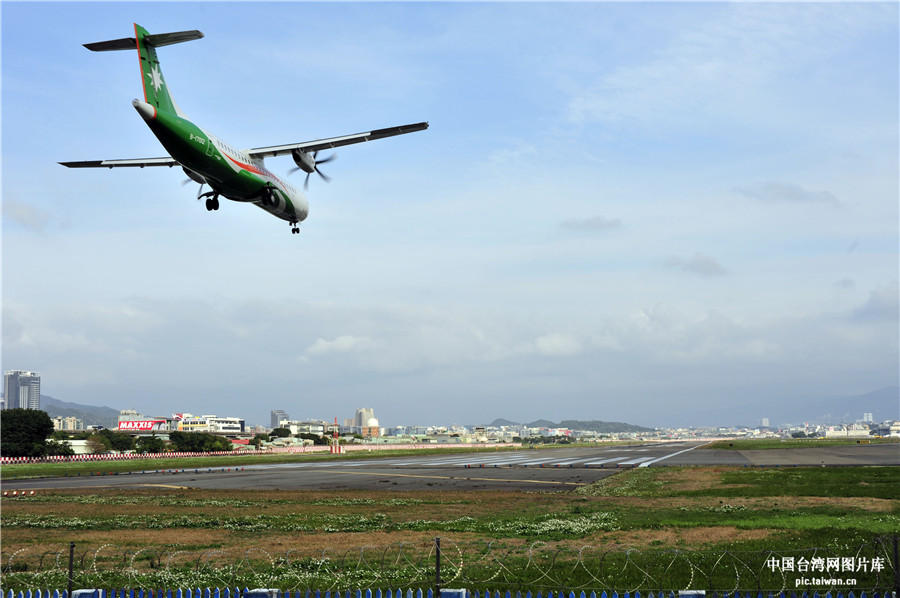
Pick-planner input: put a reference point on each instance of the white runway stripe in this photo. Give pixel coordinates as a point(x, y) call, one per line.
point(613, 460)
point(672, 455)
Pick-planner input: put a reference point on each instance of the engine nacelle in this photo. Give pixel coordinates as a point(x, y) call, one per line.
point(197, 178)
point(304, 161)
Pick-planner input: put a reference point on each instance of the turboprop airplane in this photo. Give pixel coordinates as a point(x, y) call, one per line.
point(238, 175)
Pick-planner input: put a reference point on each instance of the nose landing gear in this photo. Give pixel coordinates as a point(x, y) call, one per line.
point(295, 230)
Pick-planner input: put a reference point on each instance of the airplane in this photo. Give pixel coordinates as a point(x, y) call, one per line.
point(238, 175)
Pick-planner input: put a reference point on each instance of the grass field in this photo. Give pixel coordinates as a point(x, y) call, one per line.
point(168, 536)
point(749, 444)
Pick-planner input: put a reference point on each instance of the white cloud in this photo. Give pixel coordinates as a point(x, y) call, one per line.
point(27, 215)
point(788, 192)
point(557, 345)
point(341, 344)
point(697, 264)
point(883, 305)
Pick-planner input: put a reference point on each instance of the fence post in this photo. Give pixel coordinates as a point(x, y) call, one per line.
point(437, 567)
point(72, 562)
point(896, 568)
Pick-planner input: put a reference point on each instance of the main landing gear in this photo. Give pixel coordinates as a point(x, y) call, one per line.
point(212, 200)
point(295, 230)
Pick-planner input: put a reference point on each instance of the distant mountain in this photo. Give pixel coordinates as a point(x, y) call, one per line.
point(502, 422)
point(89, 414)
point(593, 425)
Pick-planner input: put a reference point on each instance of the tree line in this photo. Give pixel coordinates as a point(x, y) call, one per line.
point(30, 433)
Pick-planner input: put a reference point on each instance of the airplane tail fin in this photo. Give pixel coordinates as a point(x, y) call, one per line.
point(156, 92)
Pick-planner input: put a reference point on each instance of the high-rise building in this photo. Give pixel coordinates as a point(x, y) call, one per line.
point(363, 416)
point(279, 416)
point(21, 390)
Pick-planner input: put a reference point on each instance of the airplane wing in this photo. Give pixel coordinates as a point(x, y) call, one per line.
point(320, 144)
point(139, 163)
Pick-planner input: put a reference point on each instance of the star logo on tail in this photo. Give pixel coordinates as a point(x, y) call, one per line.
point(155, 78)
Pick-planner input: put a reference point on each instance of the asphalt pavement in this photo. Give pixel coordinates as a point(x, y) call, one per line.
point(524, 469)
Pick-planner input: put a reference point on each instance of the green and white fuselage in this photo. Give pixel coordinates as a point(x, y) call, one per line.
point(238, 175)
point(231, 173)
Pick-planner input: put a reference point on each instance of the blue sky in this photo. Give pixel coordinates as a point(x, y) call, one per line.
point(631, 212)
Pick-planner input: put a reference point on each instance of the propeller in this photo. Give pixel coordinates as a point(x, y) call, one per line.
point(185, 182)
point(193, 177)
point(316, 163)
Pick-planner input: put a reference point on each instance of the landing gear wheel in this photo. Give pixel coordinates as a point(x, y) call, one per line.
point(212, 200)
point(295, 230)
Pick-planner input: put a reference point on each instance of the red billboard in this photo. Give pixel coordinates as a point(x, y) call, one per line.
point(141, 425)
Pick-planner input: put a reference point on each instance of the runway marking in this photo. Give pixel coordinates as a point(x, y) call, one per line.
point(443, 477)
point(604, 461)
point(649, 463)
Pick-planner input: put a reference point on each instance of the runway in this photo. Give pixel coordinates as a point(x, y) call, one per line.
point(524, 469)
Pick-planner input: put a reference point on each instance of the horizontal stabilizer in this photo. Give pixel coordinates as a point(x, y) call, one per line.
point(156, 40)
point(167, 39)
point(126, 43)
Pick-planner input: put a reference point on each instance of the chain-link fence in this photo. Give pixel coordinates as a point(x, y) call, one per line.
point(481, 566)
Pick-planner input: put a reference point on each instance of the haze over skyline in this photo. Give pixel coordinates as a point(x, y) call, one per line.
point(623, 212)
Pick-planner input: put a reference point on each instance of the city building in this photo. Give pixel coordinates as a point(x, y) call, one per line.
point(278, 416)
point(316, 426)
point(363, 416)
point(370, 431)
point(126, 415)
point(21, 390)
point(69, 424)
point(211, 423)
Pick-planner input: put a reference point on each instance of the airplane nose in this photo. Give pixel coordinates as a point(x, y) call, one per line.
point(147, 111)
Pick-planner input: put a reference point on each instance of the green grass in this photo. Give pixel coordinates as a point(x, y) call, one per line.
point(872, 482)
point(492, 540)
point(749, 444)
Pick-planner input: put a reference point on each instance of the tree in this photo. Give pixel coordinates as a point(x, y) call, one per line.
point(59, 448)
point(198, 442)
point(98, 444)
point(24, 432)
point(280, 433)
point(149, 444)
point(118, 441)
point(318, 440)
